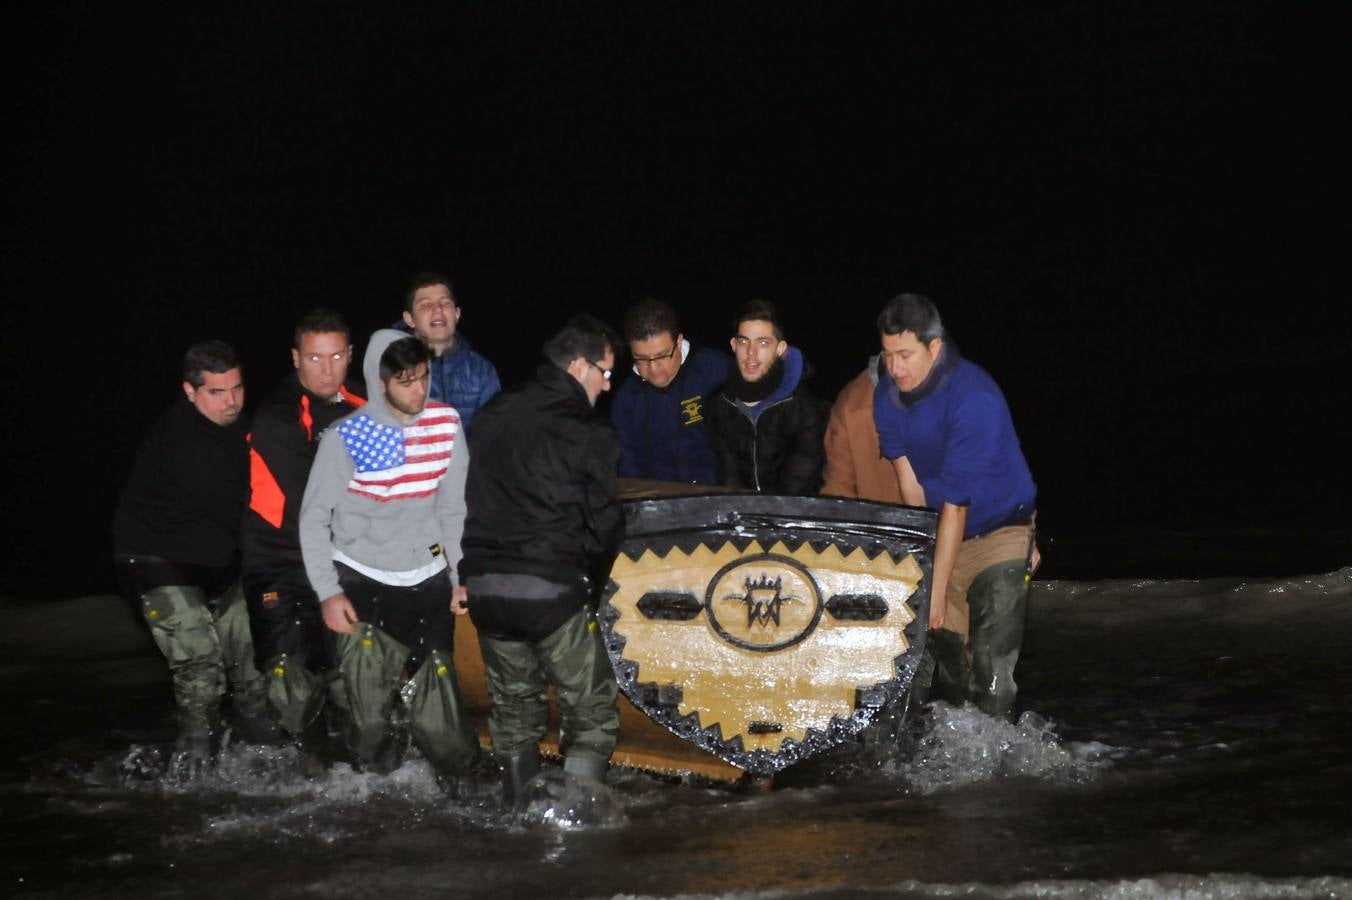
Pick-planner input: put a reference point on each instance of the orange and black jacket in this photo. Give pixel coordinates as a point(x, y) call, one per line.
point(282, 445)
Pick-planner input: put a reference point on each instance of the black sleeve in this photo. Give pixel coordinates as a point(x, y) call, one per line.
point(725, 461)
point(802, 471)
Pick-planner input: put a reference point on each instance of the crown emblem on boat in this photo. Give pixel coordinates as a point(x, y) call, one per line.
point(761, 609)
point(780, 611)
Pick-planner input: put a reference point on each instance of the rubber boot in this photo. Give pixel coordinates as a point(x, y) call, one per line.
point(518, 769)
point(192, 748)
point(943, 673)
point(588, 767)
point(999, 603)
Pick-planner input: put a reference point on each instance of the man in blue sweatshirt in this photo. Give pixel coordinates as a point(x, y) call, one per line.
point(659, 413)
point(460, 376)
point(946, 426)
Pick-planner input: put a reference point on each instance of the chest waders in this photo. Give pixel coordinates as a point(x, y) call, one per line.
point(397, 673)
point(205, 640)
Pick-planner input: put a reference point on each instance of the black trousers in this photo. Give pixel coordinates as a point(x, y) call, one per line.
point(419, 617)
point(284, 617)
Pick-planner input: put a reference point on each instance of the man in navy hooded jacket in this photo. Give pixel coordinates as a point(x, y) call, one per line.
point(767, 428)
point(660, 413)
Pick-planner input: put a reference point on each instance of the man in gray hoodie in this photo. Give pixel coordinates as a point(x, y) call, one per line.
point(380, 528)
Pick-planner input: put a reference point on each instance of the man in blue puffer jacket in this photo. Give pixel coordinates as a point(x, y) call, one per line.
point(660, 413)
point(460, 377)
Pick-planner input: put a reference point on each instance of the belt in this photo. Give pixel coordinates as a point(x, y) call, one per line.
point(1025, 522)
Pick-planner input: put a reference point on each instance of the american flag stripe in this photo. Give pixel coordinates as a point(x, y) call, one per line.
point(401, 463)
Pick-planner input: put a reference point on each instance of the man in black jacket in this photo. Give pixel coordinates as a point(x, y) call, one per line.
point(544, 521)
point(291, 644)
point(767, 429)
point(175, 542)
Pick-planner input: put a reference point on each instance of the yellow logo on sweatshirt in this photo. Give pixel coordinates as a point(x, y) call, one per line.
point(693, 409)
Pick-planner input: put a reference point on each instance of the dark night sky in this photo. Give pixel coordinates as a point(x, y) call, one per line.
point(1129, 216)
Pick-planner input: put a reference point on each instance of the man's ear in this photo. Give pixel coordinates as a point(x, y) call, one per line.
point(295, 357)
point(408, 318)
point(189, 391)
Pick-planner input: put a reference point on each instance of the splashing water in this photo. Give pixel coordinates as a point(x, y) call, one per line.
point(961, 746)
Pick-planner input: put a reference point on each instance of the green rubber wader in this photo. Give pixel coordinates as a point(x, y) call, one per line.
point(943, 673)
point(295, 694)
point(573, 659)
point(437, 721)
point(999, 603)
point(248, 686)
point(183, 628)
point(372, 665)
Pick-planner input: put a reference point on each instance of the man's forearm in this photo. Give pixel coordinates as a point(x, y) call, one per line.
point(947, 543)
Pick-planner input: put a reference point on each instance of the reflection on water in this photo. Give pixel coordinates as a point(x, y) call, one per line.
point(1175, 739)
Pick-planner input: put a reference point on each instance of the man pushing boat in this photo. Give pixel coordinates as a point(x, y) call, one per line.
point(543, 525)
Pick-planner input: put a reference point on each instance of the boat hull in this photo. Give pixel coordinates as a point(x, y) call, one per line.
point(749, 631)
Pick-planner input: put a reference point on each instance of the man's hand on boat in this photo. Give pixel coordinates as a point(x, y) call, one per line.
point(459, 600)
point(339, 615)
point(937, 610)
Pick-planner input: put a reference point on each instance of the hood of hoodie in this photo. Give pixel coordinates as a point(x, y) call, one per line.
point(376, 406)
point(791, 365)
point(793, 374)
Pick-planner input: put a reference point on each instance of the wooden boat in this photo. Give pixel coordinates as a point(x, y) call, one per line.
point(751, 631)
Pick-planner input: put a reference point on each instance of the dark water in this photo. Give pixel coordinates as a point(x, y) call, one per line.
point(1178, 739)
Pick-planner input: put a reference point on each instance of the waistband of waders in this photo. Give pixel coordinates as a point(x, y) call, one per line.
point(518, 586)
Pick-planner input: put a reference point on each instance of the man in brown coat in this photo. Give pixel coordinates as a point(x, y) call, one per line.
point(855, 467)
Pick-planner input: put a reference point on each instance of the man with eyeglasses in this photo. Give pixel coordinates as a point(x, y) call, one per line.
point(543, 526)
point(660, 414)
point(946, 426)
point(767, 427)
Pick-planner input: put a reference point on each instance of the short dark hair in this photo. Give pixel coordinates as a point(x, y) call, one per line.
point(426, 279)
point(585, 336)
point(648, 318)
point(320, 320)
point(915, 313)
point(216, 357)
point(760, 310)
point(404, 355)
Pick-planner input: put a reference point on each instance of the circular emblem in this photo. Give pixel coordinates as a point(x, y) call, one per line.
point(764, 602)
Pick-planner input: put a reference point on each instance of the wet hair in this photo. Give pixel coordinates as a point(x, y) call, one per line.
point(585, 336)
point(320, 320)
point(915, 313)
point(760, 311)
point(648, 318)
point(404, 355)
point(426, 279)
point(216, 357)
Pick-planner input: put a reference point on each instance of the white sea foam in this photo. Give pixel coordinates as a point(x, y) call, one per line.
point(961, 745)
point(1215, 886)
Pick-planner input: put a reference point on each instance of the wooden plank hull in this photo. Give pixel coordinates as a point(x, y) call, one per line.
point(750, 631)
